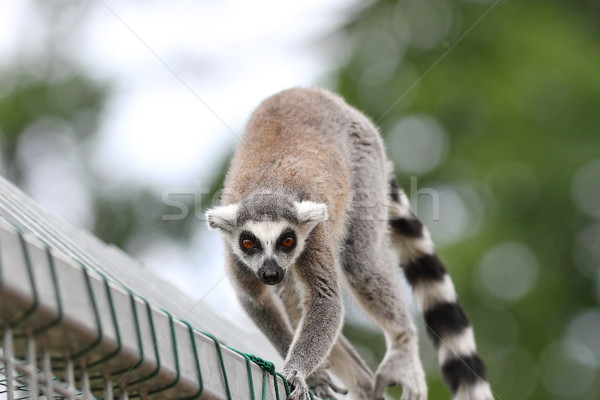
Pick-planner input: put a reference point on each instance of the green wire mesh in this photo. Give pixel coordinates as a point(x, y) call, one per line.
point(29, 369)
point(70, 330)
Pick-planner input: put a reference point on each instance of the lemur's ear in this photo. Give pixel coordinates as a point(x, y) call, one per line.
point(223, 217)
point(310, 212)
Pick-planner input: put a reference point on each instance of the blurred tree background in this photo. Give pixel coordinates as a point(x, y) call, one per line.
point(491, 114)
point(495, 106)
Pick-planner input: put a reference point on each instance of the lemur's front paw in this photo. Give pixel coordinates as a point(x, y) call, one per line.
point(298, 386)
point(322, 385)
point(400, 368)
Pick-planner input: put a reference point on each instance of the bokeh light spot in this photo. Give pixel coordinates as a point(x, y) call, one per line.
point(417, 144)
point(586, 188)
point(379, 53)
point(430, 22)
point(508, 271)
point(586, 250)
point(584, 329)
point(394, 95)
point(452, 212)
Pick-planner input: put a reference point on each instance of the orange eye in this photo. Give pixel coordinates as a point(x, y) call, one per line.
point(248, 243)
point(287, 242)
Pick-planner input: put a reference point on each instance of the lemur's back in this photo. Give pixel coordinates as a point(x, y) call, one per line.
point(286, 146)
point(310, 192)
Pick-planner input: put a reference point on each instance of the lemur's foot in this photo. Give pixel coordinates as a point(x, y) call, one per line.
point(322, 385)
point(401, 367)
point(298, 386)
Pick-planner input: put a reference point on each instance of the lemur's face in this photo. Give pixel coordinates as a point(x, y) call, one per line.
point(267, 243)
point(268, 248)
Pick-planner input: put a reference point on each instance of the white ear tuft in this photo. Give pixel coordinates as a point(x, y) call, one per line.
point(223, 217)
point(311, 212)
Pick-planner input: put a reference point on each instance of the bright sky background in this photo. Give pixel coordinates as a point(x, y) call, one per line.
point(186, 75)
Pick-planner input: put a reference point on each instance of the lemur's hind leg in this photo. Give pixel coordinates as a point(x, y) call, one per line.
point(370, 268)
point(447, 323)
point(349, 366)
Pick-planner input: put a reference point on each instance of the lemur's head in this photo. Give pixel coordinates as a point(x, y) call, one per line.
point(267, 232)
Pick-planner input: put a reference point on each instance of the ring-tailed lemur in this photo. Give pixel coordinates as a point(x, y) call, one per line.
point(310, 203)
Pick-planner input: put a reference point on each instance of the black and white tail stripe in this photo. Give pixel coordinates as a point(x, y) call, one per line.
point(447, 323)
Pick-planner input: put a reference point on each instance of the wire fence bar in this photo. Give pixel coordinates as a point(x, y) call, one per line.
point(81, 320)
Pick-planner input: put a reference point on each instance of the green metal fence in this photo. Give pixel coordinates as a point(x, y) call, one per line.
point(80, 319)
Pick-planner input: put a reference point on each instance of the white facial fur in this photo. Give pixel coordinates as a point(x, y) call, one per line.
point(267, 233)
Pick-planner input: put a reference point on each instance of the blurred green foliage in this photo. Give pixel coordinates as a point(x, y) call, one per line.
point(514, 88)
point(75, 98)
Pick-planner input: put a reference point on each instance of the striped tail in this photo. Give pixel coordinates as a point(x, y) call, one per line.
point(447, 323)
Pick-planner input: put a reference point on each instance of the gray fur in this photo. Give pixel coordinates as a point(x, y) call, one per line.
point(311, 164)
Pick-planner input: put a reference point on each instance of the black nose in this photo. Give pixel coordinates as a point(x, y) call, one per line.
point(271, 277)
point(270, 273)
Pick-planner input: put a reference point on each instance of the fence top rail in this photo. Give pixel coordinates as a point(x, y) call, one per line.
point(90, 306)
